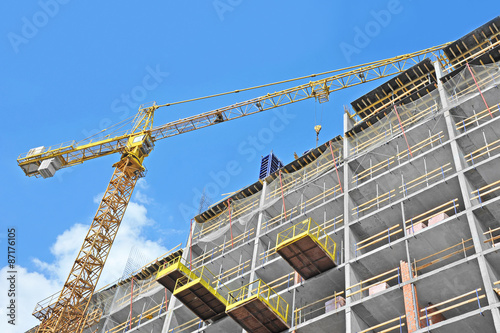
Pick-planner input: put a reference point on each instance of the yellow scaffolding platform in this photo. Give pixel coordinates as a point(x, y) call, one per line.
point(258, 308)
point(307, 248)
point(195, 291)
point(170, 272)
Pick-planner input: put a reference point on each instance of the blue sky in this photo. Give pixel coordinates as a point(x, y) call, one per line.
point(70, 69)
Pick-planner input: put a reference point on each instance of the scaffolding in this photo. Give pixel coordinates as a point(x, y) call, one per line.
point(307, 248)
point(170, 272)
point(319, 307)
point(258, 308)
point(285, 203)
point(196, 292)
point(420, 176)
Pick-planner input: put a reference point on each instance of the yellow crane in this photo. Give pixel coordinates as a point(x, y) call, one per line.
point(68, 312)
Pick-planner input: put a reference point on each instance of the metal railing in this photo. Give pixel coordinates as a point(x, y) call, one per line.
point(207, 278)
point(259, 289)
point(429, 312)
point(310, 228)
point(400, 323)
point(141, 318)
point(35, 151)
point(319, 307)
point(451, 205)
point(377, 238)
point(168, 264)
point(364, 285)
point(482, 193)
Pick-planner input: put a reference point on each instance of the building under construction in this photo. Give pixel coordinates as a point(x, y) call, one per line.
point(392, 226)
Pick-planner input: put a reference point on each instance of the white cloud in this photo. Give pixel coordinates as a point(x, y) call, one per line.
point(129, 235)
point(97, 198)
point(32, 287)
point(142, 184)
point(65, 249)
point(142, 198)
point(176, 232)
point(139, 194)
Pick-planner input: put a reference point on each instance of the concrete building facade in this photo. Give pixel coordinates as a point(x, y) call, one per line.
point(402, 212)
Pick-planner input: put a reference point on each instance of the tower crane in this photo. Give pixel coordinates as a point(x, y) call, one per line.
point(68, 312)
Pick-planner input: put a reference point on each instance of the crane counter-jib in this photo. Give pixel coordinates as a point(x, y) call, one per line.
point(38, 159)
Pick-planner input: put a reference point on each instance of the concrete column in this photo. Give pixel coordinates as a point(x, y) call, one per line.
point(173, 301)
point(255, 253)
point(442, 92)
point(348, 124)
point(490, 295)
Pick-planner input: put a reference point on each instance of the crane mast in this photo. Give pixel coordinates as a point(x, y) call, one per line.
point(68, 313)
point(90, 261)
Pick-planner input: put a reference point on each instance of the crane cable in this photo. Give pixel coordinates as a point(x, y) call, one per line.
point(123, 123)
point(260, 86)
point(317, 127)
point(215, 95)
point(223, 94)
point(282, 195)
point(273, 83)
point(435, 48)
point(335, 164)
point(230, 223)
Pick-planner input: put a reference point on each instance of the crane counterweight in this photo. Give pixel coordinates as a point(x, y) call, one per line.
point(49, 167)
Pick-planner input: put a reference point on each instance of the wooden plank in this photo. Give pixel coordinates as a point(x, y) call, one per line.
point(372, 278)
point(433, 209)
point(379, 240)
point(449, 300)
point(475, 299)
point(383, 324)
point(426, 179)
